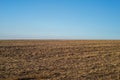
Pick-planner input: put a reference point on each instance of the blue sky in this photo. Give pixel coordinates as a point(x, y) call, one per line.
point(59, 19)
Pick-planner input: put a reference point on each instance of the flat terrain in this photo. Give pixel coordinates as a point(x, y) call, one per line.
point(60, 60)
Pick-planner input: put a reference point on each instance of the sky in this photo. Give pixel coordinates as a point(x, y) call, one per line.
point(60, 19)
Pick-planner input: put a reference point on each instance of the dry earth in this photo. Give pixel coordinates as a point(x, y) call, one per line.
point(60, 60)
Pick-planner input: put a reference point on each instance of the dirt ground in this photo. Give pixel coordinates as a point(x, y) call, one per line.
point(60, 60)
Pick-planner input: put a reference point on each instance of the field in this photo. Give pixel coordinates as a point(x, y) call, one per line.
point(60, 60)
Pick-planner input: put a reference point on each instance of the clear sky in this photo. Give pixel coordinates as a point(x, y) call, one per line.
point(59, 19)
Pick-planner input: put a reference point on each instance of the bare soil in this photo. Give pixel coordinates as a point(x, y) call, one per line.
point(60, 60)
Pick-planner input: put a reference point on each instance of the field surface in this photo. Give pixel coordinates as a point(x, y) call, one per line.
point(60, 60)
